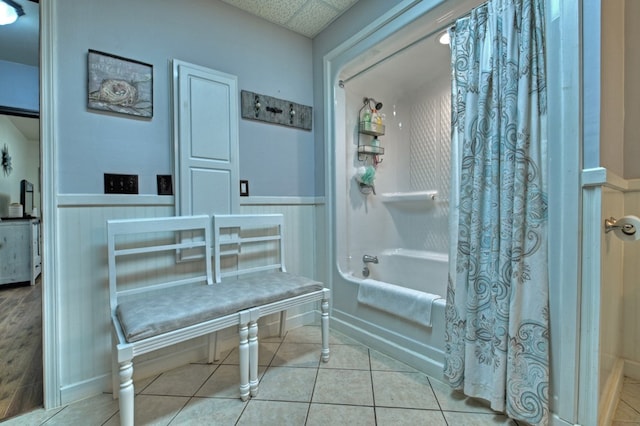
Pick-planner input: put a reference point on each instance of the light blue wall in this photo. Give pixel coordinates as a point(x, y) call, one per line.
point(277, 161)
point(19, 86)
point(350, 23)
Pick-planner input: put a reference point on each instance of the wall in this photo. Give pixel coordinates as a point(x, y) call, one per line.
point(25, 157)
point(612, 114)
point(278, 161)
point(19, 86)
point(631, 90)
point(631, 297)
point(267, 59)
point(359, 16)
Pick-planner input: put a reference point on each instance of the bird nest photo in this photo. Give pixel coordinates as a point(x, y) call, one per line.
point(119, 85)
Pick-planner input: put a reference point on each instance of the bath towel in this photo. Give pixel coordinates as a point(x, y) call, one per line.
point(403, 302)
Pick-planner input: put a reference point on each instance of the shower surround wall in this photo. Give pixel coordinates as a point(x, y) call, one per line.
point(399, 218)
point(417, 159)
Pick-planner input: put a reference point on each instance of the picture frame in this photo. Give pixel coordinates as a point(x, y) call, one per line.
point(119, 85)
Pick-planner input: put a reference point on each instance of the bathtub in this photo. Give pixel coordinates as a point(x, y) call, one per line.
point(418, 270)
point(396, 334)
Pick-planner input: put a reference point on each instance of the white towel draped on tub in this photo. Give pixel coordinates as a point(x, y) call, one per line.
point(403, 302)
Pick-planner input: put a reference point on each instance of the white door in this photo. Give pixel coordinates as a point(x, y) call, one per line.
point(205, 140)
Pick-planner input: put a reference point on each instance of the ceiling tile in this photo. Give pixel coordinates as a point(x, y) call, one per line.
point(341, 5)
point(312, 18)
point(276, 11)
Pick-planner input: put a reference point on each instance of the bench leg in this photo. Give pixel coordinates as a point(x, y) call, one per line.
point(213, 347)
point(253, 357)
point(126, 393)
point(243, 351)
point(283, 323)
point(324, 320)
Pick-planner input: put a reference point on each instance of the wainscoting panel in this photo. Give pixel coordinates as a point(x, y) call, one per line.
point(84, 317)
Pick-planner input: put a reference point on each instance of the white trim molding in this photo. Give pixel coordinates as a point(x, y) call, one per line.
point(280, 201)
point(78, 200)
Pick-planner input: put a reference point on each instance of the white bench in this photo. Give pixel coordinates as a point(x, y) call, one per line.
point(162, 289)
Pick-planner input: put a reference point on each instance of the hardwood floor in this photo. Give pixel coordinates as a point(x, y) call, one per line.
point(20, 348)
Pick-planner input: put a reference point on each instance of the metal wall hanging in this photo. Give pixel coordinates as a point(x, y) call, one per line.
point(6, 161)
point(273, 110)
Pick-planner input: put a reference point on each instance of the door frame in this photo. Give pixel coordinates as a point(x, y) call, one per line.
point(48, 192)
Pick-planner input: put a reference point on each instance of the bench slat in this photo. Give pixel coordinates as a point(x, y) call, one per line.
point(153, 249)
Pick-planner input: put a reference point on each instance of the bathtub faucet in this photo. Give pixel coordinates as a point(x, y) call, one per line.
point(369, 259)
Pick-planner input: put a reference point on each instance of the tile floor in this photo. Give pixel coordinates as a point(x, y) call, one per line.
point(359, 386)
point(628, 411)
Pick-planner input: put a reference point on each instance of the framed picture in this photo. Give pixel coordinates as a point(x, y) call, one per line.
point(119, 85)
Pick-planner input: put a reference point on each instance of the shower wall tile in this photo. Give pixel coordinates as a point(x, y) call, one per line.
point(429, 164)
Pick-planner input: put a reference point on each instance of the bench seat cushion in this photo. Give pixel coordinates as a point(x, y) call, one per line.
point(171, 309)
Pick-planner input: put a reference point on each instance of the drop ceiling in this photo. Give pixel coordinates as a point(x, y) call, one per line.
point(306, 17)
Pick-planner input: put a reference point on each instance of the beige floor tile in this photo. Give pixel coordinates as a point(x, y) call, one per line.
point(210, 411)
point(297, 355)
point(274, 413)
point(631, 394)
point(182, 381)
point(330, 414)
point(90, 411)
point(408, 417)
point(313, 334)
point(140, 385)
point(156, 410)
point(618, 423)
point(34, 417)
point(477, 419)
point(287, 384)
point(353, 357)
point(403, 389)
point(631, 380)
point(382, 362)
point(266, 352)
point(224, 382)
point(451, 400)
point(624, 412)
point(352, 387)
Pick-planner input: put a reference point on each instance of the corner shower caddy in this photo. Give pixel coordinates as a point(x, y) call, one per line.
point(369, 149)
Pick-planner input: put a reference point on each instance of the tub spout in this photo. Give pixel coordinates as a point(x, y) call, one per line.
point(369, 259)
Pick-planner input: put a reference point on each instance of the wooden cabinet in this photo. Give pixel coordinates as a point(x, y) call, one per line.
point(20, 258)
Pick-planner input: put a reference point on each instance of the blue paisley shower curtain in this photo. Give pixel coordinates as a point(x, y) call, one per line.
point(497, 332)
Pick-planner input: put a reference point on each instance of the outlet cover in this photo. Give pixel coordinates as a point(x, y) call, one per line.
point(120, 184)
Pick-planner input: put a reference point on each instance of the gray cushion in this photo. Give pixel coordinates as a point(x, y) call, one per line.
point(171, 309)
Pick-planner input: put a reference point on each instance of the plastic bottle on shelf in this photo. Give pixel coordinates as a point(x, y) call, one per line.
point(374, 120)
point(366, 119)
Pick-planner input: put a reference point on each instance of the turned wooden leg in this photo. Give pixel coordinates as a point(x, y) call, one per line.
point(283, 323)
point(253, 357)
point(126, 393)
point(324, 319)
point(213, 347)
point(243, 350)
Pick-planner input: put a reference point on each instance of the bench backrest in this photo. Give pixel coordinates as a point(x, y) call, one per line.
point(234, 235)
point(156, 253)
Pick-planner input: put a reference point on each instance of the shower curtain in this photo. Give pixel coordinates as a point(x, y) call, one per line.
point(497, 331)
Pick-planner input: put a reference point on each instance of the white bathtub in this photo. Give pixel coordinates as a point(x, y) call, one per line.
point(395, 333)
point(418, 270)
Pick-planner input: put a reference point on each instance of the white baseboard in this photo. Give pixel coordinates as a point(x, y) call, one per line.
point(611, 393)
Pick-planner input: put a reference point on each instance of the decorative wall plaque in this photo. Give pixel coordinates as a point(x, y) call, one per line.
point(273, 110)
